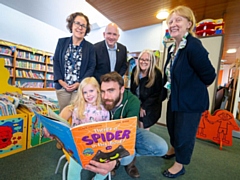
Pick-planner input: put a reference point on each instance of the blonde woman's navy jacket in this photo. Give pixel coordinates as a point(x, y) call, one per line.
point(191, 73)
point(88, 62)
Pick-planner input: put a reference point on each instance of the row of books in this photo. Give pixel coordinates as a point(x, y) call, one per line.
point(29, 84)
point(29, 74)
point(49, 68)
point(5, 51)
point(10, 70)
point(8, 62)
point(41, 99)
point(50, 85)
point(8, 105)
point(50, 60)
point(30, 56)
point(9, 102)
point(49, 76)
point(24, 64)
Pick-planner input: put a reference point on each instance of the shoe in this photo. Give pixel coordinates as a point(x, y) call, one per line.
point(132, 170)
point(113, 173)
point(58, 145)
point(166, 173)
point(166, 156)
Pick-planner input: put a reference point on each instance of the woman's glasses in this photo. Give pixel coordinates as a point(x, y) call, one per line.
point(78, 24)
point(144, 60)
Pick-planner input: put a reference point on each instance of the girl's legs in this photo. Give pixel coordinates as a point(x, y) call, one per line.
point(74, 170)
point(99, 177)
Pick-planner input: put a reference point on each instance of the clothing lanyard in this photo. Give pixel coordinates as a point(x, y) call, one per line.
point(77, 50)
point(173, 59)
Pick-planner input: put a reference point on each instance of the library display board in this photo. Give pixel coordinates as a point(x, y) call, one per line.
point(214, 46)
point(19, 127)
point(35, 134)
point(29, 68)
point(13, 132)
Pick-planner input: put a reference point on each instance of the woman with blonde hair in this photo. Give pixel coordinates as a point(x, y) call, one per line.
point(146, 84)
point(187, 74)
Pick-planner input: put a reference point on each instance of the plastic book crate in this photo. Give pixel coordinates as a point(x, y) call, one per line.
point(35, 136)
point(56, 111)
point(13, 134)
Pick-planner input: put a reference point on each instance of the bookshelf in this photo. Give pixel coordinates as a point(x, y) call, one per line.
point(30, 69)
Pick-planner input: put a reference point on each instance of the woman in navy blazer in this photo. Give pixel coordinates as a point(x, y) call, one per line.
point(74, 59)
point(187, 74)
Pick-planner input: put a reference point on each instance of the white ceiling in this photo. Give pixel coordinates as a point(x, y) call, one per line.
point(55, 12)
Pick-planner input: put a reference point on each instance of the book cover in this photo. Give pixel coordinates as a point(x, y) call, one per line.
point(100, 141)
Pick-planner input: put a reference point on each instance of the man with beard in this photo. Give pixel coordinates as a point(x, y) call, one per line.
point(122, 104)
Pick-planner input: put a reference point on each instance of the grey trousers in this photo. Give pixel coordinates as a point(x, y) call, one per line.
point(65, 98)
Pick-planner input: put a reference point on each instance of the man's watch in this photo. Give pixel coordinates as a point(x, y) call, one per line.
point(117, 164)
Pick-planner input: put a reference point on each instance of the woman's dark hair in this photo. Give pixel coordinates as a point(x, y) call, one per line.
point(72, 17)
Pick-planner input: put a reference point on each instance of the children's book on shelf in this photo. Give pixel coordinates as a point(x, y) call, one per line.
point(8, 105)
point(100, 141)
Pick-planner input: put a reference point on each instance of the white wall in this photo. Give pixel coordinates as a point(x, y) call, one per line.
point(19, 28)
point(22, 29)
point(149, 37)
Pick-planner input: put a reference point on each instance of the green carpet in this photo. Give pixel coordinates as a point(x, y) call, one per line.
point(208, 163)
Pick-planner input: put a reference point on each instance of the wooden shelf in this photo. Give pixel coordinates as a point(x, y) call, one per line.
point(29, 78)
point(8, 66)
point(37, 89)
point(30, 69)
point(28, 55)
point(8, 55)
point(30, 60)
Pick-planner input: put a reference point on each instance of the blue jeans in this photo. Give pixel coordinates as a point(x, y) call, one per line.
point(147, 144)
point(150, 144)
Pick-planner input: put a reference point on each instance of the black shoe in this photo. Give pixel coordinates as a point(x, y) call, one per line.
point(166, 156)
point(132, 170)
point(166, 173)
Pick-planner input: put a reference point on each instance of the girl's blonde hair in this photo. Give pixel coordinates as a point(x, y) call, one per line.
point(79, 102)
point(184, 12)
point(151, 70)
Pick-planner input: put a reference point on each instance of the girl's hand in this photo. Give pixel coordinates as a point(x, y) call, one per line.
point(142, 112)
point(46, 133)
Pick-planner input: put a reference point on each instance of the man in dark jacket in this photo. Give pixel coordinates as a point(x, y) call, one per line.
point(110, 55)
point(122, 104)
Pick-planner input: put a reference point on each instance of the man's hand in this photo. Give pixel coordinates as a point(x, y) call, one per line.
point(101, 168)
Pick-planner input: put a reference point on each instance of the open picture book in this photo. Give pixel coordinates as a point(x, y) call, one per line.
point(100, 141)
